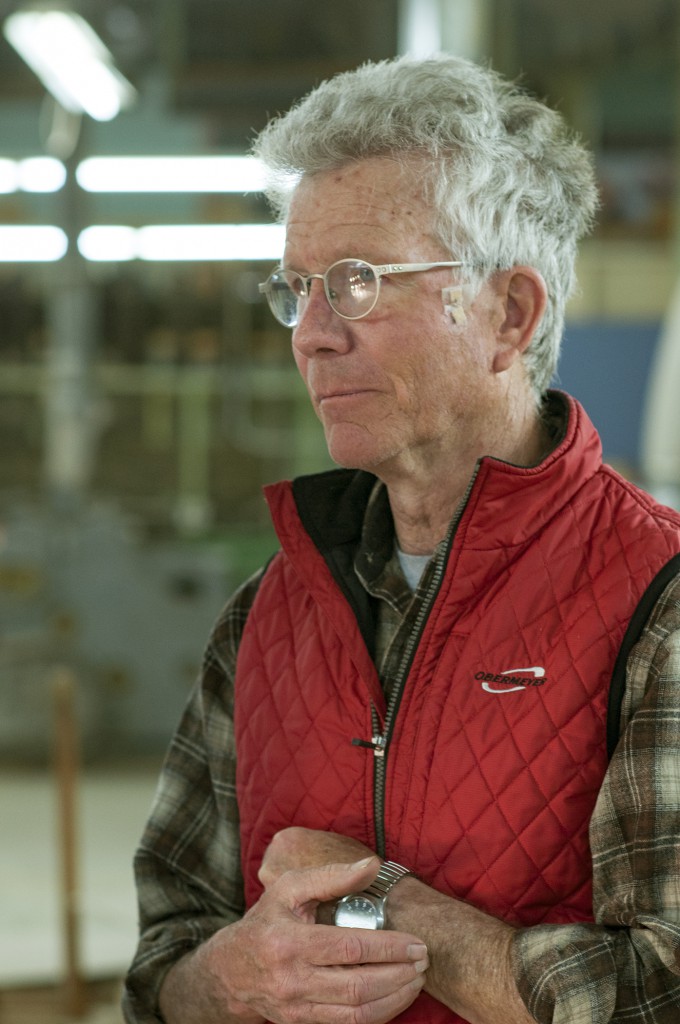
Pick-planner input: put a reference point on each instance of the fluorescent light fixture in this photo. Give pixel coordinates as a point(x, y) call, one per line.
point(136, 174)
point(171, 174)
point(34, 174)
point(32, 244)
point(9, 176)
point(70, 60)
point(159, 242)
point(105, 242)
point(178, 242)
point(41, 174)
point(420, 27)
point(211, 242)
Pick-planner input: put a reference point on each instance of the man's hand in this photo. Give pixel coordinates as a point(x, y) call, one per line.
point(275, 964)
point(471, 973)
point(295, 848)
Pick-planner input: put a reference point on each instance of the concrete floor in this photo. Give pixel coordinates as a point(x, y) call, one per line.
point(111, 805)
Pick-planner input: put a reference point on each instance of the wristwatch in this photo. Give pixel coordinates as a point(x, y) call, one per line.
point(367, 909)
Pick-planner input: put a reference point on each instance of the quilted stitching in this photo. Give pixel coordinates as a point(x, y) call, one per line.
point(489, 796)
point(321, 773)
point(519, 776)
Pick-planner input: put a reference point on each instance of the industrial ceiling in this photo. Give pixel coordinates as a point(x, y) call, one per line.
point(235, 63)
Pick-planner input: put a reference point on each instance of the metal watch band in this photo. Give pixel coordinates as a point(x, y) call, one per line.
point(387, 877)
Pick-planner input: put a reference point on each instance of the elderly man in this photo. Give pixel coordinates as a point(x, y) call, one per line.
point(430, 771)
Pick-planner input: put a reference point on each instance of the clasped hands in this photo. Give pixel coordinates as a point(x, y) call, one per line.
point(271, 965)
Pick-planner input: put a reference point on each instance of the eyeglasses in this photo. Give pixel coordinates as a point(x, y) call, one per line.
point(352, 288)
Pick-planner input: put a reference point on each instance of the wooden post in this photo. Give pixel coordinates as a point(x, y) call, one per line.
point(67, 764)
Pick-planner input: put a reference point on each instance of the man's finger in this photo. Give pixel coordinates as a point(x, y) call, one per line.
point(328, 882)
point(350, 946)
point(363, 983)
point(382, 1007)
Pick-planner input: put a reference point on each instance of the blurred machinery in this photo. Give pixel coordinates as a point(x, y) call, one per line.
point(128, 618)
point(77, 589)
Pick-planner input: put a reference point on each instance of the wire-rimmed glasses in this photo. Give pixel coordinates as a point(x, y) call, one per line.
point(352, 287)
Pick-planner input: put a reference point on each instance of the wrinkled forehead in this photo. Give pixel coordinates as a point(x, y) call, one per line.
point(377, 198)
point(366, 179)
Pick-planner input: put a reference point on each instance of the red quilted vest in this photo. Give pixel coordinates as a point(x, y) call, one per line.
point(498, 749)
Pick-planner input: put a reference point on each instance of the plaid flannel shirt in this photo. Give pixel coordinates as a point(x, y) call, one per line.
point(623, 968)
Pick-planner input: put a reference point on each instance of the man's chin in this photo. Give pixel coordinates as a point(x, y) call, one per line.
point(353, 447)
point(356, 457)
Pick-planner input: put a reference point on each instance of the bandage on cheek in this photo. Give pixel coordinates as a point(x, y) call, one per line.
point(452, 298)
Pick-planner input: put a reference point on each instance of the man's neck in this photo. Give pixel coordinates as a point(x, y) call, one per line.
point(425, 499)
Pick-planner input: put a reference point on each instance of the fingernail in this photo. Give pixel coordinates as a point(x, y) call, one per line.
point(417, 952)
point(421, 966)
point(360, 864)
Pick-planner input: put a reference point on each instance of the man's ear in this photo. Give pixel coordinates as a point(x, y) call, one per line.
point(524, 295)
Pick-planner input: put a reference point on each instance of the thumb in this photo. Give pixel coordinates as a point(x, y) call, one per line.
point(330, 881)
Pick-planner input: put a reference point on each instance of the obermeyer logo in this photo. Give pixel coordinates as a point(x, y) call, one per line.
point(512, 679)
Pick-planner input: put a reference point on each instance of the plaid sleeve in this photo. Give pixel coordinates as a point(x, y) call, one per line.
point(187, 866)
point(626, 966)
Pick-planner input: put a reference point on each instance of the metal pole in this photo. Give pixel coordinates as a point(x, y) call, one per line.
point(66, 763)
point(69, 427)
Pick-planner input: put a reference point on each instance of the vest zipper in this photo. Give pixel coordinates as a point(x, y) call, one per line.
point(376, 742)
point(380, 740)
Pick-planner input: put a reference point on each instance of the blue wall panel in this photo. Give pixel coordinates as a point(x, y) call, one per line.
point(606, 366)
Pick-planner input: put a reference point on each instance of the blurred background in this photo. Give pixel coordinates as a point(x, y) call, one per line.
point(146, 394)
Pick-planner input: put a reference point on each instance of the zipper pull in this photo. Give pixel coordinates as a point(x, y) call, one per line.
point(377, 744)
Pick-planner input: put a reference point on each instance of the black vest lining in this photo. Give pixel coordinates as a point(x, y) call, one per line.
point(633, 634)
point(333, 517)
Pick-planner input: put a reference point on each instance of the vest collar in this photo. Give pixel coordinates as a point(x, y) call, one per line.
point(507, 504)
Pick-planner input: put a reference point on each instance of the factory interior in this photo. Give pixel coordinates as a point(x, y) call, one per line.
point(147, 395)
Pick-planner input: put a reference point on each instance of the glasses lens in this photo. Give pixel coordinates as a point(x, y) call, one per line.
point(284, 292)
point(352, 288)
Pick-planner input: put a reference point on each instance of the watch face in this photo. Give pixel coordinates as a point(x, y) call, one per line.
point(358, 912)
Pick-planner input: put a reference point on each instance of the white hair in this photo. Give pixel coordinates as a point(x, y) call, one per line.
point(508, 181)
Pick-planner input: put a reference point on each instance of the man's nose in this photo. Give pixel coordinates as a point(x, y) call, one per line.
point(319, 327)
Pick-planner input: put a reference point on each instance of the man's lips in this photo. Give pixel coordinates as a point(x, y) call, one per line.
point(333, 395)
point(338, 394)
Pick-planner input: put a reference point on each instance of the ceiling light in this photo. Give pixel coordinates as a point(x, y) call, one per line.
point(34, 174)
point(211, 242)
point(9, 176)
point(41, 174)
point(178, 242)
point(108, 243)
point(171, 174)
point(70, 60)
point(32, 243)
